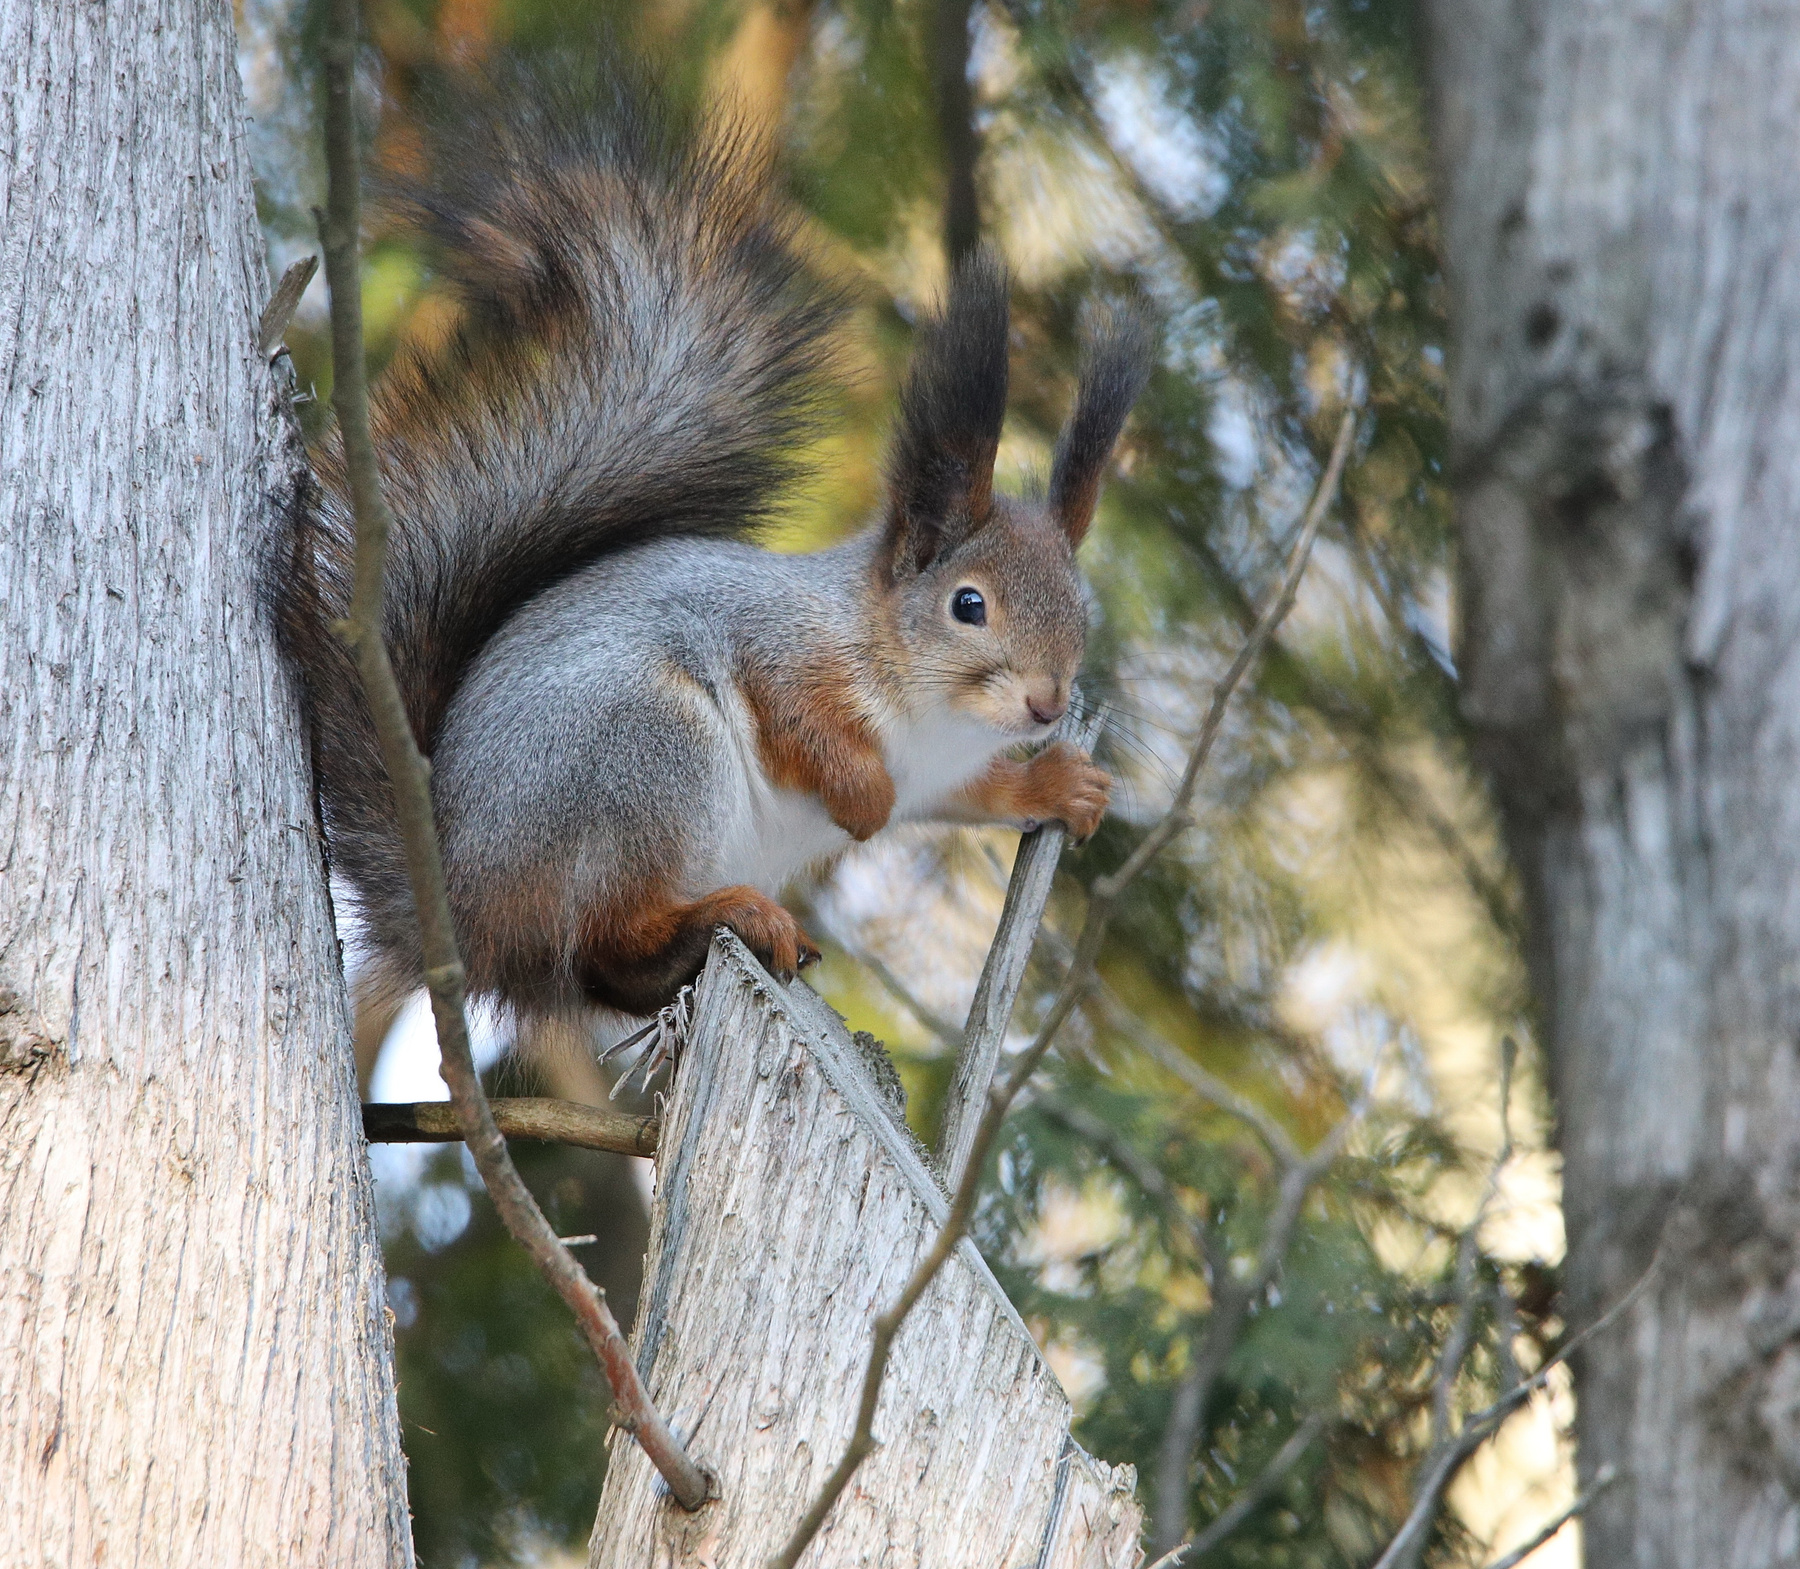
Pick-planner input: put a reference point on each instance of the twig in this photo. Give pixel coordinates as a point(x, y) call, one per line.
point(1231, 1304)
point(1251, 1499)
point(517, 1117)
point(1603, 1479)
point(1101, 1133)
point(1101, 904)
point(1208, 1086)
point(409, 774)
point(1446, 1446)
point(1468, 1249)
point(1442, 1467)
point(1028, 891)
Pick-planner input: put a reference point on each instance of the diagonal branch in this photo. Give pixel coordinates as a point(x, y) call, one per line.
point(410, 775)
point(1441, 1467)
point(1232, 1301)
point(1250, 1500)
point(1603, 1479)
point(1103, 901)
point(1208, 1086)
point(1027, 893)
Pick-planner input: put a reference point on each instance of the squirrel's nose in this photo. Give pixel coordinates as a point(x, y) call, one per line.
point(1047, 713)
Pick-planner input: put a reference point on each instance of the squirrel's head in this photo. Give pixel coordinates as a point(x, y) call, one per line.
point(984, 593)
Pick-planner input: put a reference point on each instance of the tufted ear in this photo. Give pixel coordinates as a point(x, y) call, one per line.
point(941, 465)
point(1118, 365)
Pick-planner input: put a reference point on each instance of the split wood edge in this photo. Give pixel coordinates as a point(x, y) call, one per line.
point(409, 774)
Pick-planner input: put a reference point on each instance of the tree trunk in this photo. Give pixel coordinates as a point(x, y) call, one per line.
point(790, 1208)
point(1621, 208)
point(195, 1365)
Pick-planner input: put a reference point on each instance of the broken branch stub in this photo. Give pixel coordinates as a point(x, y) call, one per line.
point(791, 1206)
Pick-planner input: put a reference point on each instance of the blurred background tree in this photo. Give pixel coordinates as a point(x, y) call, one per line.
point(1335, 938)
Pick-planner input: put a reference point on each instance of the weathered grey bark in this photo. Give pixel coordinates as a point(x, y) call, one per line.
point(195, 1364)
point(790, 1209)
point(1622, 230)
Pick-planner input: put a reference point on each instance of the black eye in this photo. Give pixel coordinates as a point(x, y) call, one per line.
point(967, 605)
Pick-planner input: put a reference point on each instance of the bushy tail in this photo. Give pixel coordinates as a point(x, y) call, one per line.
point(638, 355)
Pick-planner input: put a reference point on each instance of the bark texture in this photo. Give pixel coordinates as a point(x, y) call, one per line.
point(790, 1209)
point(195, 1364)
point(1621, 224)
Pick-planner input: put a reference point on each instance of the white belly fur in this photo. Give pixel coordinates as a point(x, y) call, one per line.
point(777, 834)
point(934, 755)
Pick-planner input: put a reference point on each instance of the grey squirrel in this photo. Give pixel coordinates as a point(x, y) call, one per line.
point(640, 724)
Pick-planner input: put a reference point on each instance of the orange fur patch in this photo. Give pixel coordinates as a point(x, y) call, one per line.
point(1061, 784)
point(811, 737)
point(636, 952)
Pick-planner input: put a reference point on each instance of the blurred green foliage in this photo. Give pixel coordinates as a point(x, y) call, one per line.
point(1337, 926)
point(503, 1411)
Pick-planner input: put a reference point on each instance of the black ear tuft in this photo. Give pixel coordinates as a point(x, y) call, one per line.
point(1118, 365)
point(941, 468)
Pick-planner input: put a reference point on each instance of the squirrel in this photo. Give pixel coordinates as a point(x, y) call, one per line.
point(640, 724)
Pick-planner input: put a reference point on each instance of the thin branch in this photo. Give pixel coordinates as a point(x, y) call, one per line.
point(1468, 1251)
point(1208, 1086)
point(517, 1117)
point(1415, 802)
point(1231, 1304)
point(1106, 1138)
point(409, 774)
point(1603, 1479)
point(1102, 902)
point(1447, 1446)
point(1027, 893)
point(1251, 1499)
point(1441, 1468)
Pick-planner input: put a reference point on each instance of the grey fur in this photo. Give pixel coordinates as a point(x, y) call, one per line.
point(576, 630)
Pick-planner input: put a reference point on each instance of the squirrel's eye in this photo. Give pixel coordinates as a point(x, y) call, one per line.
point(967, 605)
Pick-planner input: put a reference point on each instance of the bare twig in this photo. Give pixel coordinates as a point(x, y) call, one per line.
point(1101, 1133)
point(1208, 1086)
point(517, 1117)
point(1603, 1479)
point(1446, 1445)
point(1468, 1251)
point(1251, 1499)
point(1231, 1304)
point(1441, 1467)
point(409, 773)
point(1027, 892)
point(1103, 900)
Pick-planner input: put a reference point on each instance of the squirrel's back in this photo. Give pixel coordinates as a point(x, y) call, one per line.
point(638, 353)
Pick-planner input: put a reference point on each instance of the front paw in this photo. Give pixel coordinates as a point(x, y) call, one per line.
point(859, 796)
point(1064, 785)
